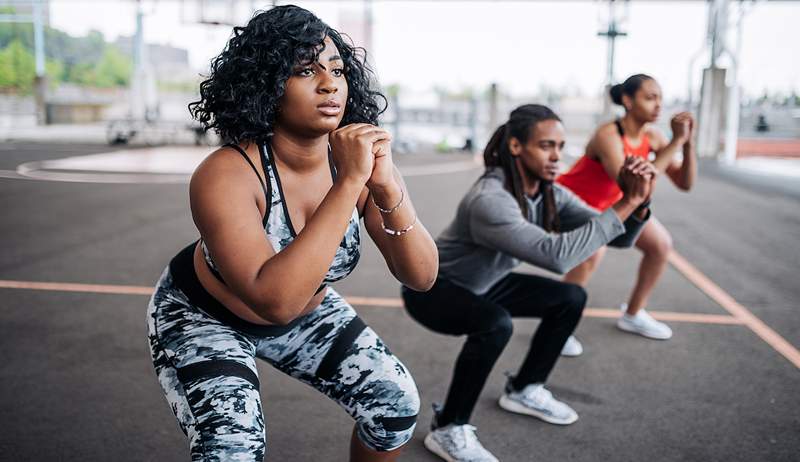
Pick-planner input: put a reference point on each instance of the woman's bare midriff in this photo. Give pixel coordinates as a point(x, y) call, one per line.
point(224, 295)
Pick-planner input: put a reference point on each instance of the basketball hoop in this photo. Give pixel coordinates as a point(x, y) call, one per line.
point(215, 12)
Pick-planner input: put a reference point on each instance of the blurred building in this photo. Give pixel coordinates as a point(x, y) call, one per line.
point(170, 64)
point(26, 8)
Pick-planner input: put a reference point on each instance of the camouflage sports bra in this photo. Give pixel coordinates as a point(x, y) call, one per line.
point(278, 225)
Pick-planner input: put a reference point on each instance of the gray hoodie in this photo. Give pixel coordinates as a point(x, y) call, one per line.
point(489, 236)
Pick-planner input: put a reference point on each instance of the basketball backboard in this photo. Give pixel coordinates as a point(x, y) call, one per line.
point(218, 12)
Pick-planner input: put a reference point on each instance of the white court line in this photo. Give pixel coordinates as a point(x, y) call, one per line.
point(13, 174)
point(162, 166)
point(31, 171)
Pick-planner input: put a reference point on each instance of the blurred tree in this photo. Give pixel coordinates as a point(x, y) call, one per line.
point(81, 60)
point(17, 67)
point(114, 69)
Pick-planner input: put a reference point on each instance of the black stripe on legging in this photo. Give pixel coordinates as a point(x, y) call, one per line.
point(217, 368)
point(398, 424)
point(340, 345)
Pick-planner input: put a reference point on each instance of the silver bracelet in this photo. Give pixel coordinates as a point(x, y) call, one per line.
point(402, 198)
point(399, 232)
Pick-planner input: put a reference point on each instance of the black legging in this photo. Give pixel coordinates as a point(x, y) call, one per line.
point(486, 320)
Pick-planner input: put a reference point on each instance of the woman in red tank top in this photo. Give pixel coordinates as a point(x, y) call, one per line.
point(593, 178)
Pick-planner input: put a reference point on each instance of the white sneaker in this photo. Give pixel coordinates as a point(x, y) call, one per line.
point(537, 401)
point(644, 325)
point(457, 443)
point(572, 347)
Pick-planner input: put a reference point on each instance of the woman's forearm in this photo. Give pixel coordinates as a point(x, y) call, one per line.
point(665, 155)
point(410, 254)
point(688, 167)
point(683, 176)
point(414, 259)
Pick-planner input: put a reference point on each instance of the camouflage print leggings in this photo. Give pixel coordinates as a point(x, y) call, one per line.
point(208, 373)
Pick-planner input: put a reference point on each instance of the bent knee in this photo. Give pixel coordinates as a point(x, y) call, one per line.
point(575, 298)
point(658, 244)
point(495, 332)
point(386, 433)
point(665, 243)
point(389, 423)
point(502, 327)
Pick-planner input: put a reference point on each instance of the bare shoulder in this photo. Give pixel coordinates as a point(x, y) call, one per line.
point(223, 165)
point(652, 130)
point(222, 175)
point(604, 139)
point(607, 129)
point(657, 138)
point(606, 133)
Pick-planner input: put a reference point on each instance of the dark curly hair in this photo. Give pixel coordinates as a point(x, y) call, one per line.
point(240, 98)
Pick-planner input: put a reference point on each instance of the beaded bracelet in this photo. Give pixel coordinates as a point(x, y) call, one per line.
point(402, 198)
point(399, 232)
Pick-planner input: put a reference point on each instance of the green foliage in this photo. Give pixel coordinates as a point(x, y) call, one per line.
point(17, 67)
point(54, 71)
point(114, 69)
point(82, 60)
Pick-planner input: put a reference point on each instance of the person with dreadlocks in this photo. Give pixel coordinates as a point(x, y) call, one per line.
point(278, 210)
point(515, 213)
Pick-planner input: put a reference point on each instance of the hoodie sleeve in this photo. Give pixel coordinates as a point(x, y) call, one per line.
point(496, 222)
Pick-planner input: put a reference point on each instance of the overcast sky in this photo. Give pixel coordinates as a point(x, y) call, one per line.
point(521, 45)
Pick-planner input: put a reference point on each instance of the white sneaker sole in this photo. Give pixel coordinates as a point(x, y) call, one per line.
point(512, 406)
point(432, 446)
point(627, 328)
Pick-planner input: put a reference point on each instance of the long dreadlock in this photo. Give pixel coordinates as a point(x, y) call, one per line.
point(497, 154)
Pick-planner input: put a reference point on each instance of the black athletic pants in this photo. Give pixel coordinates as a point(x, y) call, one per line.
point(486, 321)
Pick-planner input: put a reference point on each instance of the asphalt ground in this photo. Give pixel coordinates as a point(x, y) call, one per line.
point(77, 384)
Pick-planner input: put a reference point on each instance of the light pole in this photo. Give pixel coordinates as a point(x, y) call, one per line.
point(40, 79)
point(611, 34)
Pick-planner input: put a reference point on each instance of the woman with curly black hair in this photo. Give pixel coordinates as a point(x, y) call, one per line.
point(295, 104)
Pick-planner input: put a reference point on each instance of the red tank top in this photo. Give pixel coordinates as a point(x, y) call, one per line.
point(588, 179)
